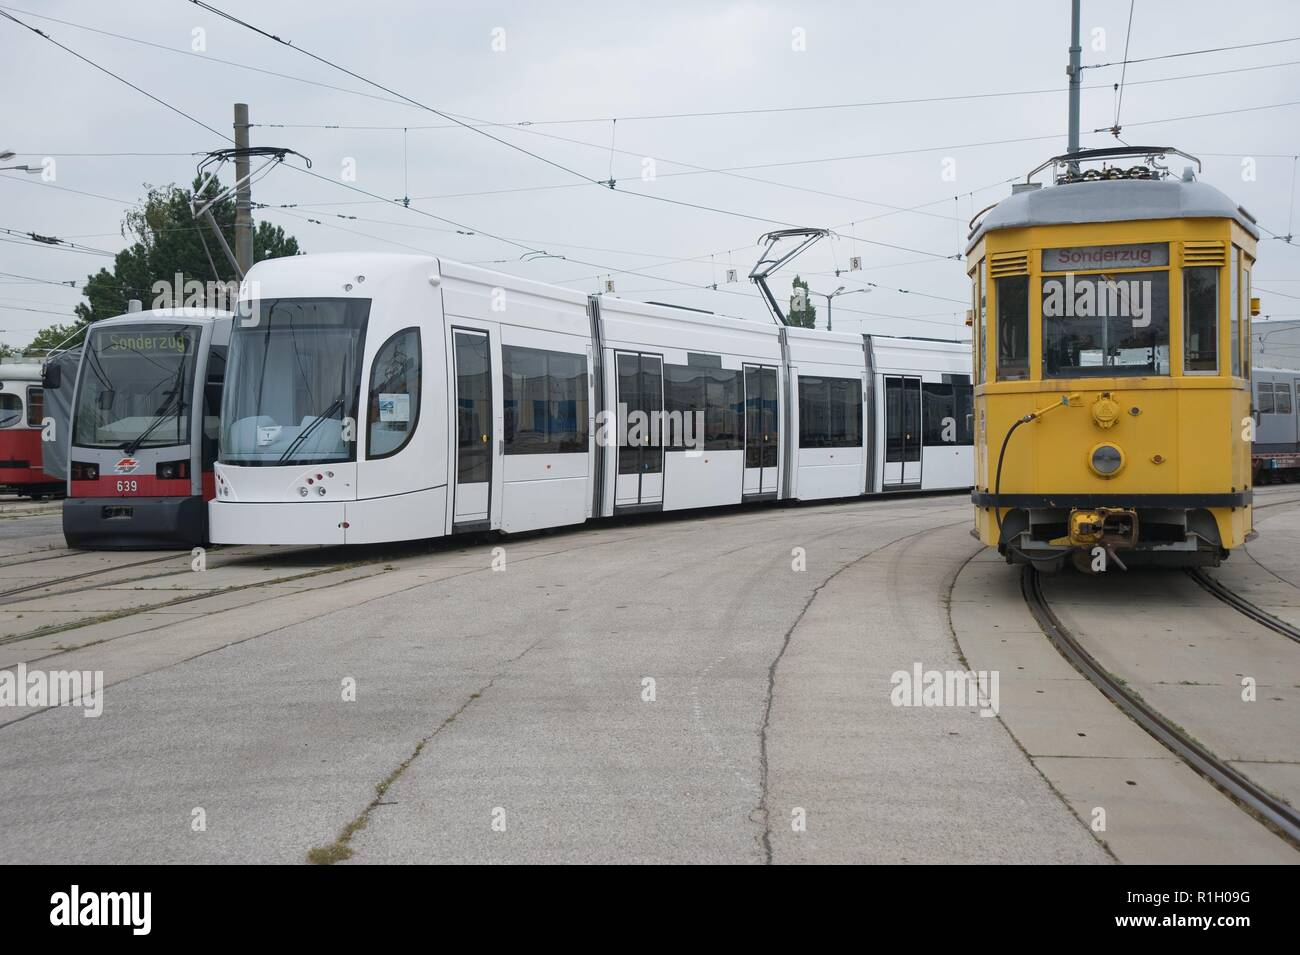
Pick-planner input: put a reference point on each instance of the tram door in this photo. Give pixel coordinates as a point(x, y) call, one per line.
point(762, 429)
point(902, 432)
point(473, 368)
point(640, 475)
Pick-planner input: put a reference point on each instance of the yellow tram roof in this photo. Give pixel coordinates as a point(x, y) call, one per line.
point(1110, 200)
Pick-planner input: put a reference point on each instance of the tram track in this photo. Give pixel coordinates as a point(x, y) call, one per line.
point(1271, 503)
point(1280, 816)
point(1242, 605)
point(58, 581)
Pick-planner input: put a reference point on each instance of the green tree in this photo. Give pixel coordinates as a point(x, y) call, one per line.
point(54, 335)
point(805, 317)
point(168, 241)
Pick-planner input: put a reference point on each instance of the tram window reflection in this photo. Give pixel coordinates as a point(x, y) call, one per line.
point(1013, 328)
point(1107, 324)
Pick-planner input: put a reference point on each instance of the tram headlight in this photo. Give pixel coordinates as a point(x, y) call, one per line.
point(1106, 460)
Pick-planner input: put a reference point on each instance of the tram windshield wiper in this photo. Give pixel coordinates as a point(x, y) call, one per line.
point(163, 414)
point(335, 405)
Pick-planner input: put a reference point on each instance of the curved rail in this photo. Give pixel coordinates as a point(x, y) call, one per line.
point(1240, 603)
point(1261, 803)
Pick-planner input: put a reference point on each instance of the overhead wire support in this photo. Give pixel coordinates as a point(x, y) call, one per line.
point(1119, 87)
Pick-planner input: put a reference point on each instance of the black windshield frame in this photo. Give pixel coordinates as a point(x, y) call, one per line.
point(151, 385)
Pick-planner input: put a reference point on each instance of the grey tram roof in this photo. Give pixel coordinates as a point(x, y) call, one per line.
point(1111, 200)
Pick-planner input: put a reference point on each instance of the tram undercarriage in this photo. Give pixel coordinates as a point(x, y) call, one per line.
point(1096, 539)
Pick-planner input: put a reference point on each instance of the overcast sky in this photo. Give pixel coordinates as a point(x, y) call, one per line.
point(595, 61)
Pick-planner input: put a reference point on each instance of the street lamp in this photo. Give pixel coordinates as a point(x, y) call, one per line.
point(10, 154)
point(830, 295)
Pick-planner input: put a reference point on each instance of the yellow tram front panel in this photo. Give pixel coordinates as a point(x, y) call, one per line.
point(1162, 442)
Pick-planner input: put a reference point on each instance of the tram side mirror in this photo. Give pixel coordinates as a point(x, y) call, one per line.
point(106, 397)
point(52, 376)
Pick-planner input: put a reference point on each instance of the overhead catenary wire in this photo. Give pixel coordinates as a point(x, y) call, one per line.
point(767, 110)
point(1171, 56)
point(480, 231)
point(208, 58)
point(49, 241)
point(308, 172)
point(845, 158)
point(121, 79)
point(202, 4)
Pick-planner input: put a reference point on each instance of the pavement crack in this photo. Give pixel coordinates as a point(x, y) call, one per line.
point(762, 813)
point(341, 848)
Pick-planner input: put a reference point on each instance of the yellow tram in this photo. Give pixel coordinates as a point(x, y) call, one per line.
point(1111, 326)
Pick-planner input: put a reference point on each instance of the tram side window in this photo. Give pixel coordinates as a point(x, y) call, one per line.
point(1243, 308)
point(945, 407)
point(1282, 397)
point(830, 412)
point(545, 401)
point(707, 397)
point(215, 379)
point(393, 407)
point(1264, 403)
point(1201, 320)
point(11, 410)
point(965, 413)
point(1013, 327)
point(35, 406)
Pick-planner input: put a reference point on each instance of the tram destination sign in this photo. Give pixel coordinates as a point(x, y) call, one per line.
point(145, 343)
point(1084, 258)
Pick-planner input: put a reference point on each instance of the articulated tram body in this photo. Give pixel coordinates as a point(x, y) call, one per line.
point(144, 429)
point(381, 398)
point(1112, 340)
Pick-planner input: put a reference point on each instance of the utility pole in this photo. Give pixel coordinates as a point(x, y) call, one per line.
point(243, 194)
point(1075, 79)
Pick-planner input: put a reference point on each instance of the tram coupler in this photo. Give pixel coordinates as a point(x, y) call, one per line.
point(1111, 527)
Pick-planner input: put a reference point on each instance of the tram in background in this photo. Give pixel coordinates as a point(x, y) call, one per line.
point(144, 429)
point(21, 425)
point(1111, 313)
point(375, 398)
point(1276, 452)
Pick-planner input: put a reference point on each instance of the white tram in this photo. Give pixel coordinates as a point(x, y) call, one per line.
point(374, 397)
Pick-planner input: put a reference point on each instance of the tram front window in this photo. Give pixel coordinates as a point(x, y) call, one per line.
point(1102, 325)
point(136, 386)
point(292, 380)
